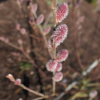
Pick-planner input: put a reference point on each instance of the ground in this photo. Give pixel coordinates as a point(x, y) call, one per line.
point(89, 44)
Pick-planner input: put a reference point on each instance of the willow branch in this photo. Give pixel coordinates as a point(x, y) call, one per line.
point(42, 33)
point(54, 3)
point(32, 91)
point(12, 45)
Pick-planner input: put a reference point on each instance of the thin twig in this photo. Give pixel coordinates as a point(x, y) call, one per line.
point(73, 70)
point(44, 36)
point(75, 38)
point(28, 57)
point(48, 19)
point(54, 3)
point(40, 98)
point(32, 91)
point(12, 45)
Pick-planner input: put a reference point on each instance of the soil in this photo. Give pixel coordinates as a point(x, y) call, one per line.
point(88, 41)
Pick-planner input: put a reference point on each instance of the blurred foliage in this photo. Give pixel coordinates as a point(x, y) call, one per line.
point(25, 66)
point(58, 2)
point(92, 1)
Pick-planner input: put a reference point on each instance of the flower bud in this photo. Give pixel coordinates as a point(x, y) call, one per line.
point(59, 67)
point(92, 94)
point(17, 81)
point(34, 7)
point(20, 41)
point(47, 30)
point(62, 55)
point(23, 31)
point(40, 19)
point(58, 36)
point(20, 99)
point(62, 12)
point(51, 65)
point(58, 77)
point(18, 26)
point(10, 77)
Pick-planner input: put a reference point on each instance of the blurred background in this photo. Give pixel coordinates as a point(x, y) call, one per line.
point(82, 42)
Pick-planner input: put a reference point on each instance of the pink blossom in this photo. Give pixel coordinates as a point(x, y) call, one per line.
point(17, 81)
point(62, 55)
point(23, 31)
point(58, 36)
point(58, 77)
point(59, 67)
point(10, 77)
point(47, 30)
point(51, 65)
point(20, 41)
point(18, 26)
point(62, 12)
point(34, 7)
point(92, 94)
point(40, 19)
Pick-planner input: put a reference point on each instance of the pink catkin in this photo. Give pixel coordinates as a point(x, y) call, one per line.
point(10, 77)
point(20, 41)
point(59, 67)
point(23, 31)
point(17, 81)
point(62, 55)
point(18, 26)
point(34, 7)
point(58, 36)
point(62, 12)
point(58, 77)
point(40, 19)
point(47, 30)
point(51, 65)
